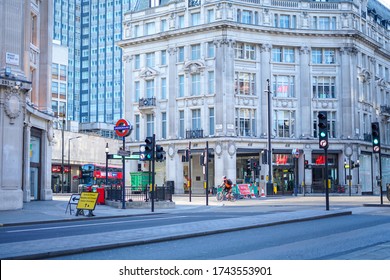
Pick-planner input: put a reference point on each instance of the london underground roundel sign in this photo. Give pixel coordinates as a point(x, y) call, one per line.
point(123, 128)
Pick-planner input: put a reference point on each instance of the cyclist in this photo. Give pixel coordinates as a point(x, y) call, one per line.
point(227, 186)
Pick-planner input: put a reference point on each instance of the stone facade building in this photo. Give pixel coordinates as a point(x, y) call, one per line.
point(198, 71)
point(26, 129)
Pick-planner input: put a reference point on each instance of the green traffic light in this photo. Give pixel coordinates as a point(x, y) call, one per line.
point(376, 141)
point(322, 134)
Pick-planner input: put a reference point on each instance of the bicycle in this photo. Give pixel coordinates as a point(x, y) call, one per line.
point(222, 195)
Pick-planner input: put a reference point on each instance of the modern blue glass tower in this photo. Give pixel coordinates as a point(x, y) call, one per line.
point(90, 30)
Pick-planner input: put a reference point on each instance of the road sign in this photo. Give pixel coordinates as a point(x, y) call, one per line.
point(123, 128)
point(74, 199)
point(295, 152)
point(87, 201)
point(123, 153)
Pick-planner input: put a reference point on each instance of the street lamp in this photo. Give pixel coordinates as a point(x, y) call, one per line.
point(107, 150)
point(70, 169)
point(269, 183)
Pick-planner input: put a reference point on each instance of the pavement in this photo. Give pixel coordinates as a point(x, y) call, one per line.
point(271, 211)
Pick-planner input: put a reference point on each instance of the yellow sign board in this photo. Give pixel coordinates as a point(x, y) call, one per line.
point(87, 200)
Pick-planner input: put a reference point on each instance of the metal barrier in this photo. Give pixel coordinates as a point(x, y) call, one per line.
point(139, 193)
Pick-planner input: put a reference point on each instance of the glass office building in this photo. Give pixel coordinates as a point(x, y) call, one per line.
point(90, 30)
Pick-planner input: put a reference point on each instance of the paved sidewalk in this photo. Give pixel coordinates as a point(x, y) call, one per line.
point(54, 210)
point(271, 211)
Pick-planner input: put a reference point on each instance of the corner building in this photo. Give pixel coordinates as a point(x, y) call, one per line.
point(26, 118)
point(198, 71)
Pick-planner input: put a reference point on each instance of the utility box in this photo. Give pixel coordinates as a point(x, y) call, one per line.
point(139, 179)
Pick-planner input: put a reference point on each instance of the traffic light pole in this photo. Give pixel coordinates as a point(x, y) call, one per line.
point(124, 175)
point(326, 180)
point(350, 176)
point(189, 172)
point(207, 173)
point(380, 175)
point(376, 149)
point(153, 169)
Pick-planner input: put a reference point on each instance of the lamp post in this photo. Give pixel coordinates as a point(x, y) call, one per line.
point(349, 152)
point(269, 182)
point(107, 150)
point(69, 172)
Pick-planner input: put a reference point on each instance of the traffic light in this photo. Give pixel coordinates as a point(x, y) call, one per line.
point(201, 159)
point(323, 130)
point(160, 154)
point(376, 143)
point(254, 164)
point(188, 155)
point(306, 164)
point(146, 150)
point(249, 164)
point(264, 157)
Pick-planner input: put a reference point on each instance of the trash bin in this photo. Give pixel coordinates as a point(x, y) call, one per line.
point(171, 186)
point(101, 197)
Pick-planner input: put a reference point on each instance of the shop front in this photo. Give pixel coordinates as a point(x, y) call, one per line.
point(318, 173)
point(284, 173)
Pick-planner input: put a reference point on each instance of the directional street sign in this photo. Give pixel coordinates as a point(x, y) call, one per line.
point(123, 153)
point(74, 199)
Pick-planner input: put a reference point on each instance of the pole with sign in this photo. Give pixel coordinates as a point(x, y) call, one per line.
point(123, 129)
point(324, 144)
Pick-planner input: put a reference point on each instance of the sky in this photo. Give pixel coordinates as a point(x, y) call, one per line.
point(385, 2)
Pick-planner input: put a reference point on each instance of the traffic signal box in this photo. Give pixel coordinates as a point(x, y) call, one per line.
point(146, 150)
point(147, 153)
point(323, 130)
point(249, 164)
point(254, 164)
point(376, 143)
point(160, 154)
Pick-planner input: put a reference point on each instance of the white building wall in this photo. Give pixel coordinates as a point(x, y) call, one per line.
point(356, 83)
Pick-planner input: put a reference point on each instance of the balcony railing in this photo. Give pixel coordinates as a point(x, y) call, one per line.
point(195, 133)
point(147, 102)
point(194, 3)
point(385, 110)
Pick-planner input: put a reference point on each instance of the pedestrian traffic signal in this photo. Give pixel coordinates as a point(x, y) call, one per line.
point(376, 143)
point(323, 130)
point(160, 154)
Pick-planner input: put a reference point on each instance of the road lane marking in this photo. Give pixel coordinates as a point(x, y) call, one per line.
point(88, 225)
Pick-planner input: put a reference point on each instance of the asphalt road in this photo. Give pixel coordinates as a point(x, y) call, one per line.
point(86, 227)
point(344, 237)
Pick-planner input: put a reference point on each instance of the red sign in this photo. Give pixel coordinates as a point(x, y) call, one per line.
point(57, 169)
point(244, 189)
point(320, 160)
point(123, 128)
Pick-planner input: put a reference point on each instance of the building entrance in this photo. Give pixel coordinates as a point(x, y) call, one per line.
point(318, 179)
point(284, 178)
point(283, 173)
